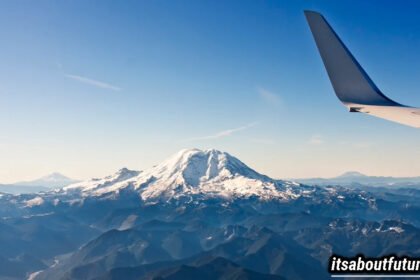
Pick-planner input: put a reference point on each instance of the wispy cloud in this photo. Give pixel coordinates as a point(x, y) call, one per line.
point(92, 82)
point(269, 96)
point(224, 133)
point(316, 140)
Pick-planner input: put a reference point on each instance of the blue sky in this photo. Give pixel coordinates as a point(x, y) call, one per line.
point(88, 87)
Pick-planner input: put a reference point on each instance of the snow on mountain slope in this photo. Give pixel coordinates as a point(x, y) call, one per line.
point(193, 172)
point(110, 183)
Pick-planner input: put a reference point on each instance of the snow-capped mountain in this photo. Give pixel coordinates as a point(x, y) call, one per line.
point(121, 179)
point(193, 172)
point(357, 179)
point(352, 174)
point(53, 180)
point(48, 182)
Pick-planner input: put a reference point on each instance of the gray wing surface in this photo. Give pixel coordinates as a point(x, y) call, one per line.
point(351, 83)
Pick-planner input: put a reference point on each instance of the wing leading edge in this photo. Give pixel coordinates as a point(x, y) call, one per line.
point(351, 83)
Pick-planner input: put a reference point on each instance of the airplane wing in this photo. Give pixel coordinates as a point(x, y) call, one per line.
point(351, 83)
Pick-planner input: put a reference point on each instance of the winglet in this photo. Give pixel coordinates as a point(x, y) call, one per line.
point(351, 83)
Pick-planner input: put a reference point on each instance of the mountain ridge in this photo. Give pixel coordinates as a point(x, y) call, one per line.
point(357, 179)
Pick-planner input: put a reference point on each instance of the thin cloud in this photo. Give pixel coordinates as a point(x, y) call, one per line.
point(92, 82)
point(269, 96)
point(316, 140)
point(223, 133)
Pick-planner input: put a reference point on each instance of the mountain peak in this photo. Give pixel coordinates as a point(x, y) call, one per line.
point(211, 172)
point(195, 166)
point(125, 172)
point(53, 180)
point(55, 176)
point(350, 174)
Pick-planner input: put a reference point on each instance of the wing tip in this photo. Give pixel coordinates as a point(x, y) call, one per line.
point(309, 13)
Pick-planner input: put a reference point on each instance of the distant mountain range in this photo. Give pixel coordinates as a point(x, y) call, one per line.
point(200, 214)
point(51, 181)
point(357, 179)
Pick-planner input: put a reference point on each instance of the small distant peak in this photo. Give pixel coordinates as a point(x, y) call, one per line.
point(54, 177)
point(56, 174)
point(125, 171)
point(351, 174)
